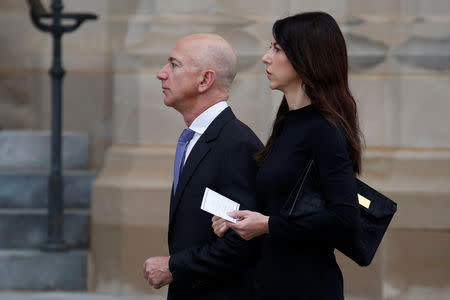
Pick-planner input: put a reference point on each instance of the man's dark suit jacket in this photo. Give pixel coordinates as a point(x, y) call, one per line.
point(205, 266)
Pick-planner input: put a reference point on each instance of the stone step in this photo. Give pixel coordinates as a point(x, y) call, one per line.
point(27, 228)
point(30, 189)
point(36, 270)
point(71, 296)
point(26, 149)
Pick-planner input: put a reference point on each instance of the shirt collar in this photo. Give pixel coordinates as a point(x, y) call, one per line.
point(201, 123)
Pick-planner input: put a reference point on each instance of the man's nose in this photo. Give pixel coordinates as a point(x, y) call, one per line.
point(162, 74)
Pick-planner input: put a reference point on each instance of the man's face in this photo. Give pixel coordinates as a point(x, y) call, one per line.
point(180, 77)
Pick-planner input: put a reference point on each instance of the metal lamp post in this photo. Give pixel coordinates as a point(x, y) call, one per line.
point(52, 23)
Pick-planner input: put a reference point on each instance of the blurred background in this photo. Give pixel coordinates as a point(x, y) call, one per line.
point(119, 139)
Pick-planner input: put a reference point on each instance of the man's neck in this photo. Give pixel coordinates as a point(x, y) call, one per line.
point(199, 107)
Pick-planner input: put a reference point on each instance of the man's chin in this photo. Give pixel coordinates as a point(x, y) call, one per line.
point(167, 102)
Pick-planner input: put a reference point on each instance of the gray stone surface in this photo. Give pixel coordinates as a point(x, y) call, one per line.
point(35, 270)
point(364, 53)
point(22, 149)
point(425, 52)
point(70, 296)
point(353, 21)
point(25, 229)
point(30, 189)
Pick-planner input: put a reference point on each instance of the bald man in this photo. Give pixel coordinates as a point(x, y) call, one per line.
point(218, 154)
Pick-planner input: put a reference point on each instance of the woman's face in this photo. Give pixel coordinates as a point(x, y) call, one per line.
point(279, 69)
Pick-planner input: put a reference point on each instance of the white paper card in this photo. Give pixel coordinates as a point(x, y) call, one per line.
point(218, 205)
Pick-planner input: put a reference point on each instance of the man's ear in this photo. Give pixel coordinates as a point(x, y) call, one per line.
point(208, 79)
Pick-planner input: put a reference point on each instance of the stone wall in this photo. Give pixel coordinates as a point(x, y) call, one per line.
point(399, 53)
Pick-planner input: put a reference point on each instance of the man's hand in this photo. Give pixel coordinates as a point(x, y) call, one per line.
point(156, 271)
point(219, 225)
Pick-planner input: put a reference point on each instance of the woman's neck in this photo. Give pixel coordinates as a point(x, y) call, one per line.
point(296, 97)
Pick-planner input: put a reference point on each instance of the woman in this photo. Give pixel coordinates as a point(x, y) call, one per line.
point(307, 61)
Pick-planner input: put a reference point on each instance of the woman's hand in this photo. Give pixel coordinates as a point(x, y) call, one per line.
point(250, 224)
point(219, 225)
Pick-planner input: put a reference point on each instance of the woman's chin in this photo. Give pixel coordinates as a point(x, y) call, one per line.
point(273, 85)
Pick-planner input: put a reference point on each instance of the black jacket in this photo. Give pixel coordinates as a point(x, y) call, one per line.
point(203, 265)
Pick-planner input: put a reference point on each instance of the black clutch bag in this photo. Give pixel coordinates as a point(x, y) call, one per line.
point(376, 213)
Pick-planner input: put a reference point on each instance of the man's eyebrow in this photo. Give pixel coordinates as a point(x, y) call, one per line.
point(173, 59)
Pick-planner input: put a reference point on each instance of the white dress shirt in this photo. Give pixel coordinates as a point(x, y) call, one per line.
point(201, 123)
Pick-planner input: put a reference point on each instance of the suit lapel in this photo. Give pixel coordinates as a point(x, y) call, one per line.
point(197, 154)
point(195, 157)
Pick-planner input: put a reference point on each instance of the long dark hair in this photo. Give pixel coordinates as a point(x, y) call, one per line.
point(316, 48)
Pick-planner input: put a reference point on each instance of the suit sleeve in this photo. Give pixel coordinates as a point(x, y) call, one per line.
point(338, 220)
point(236, 181)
